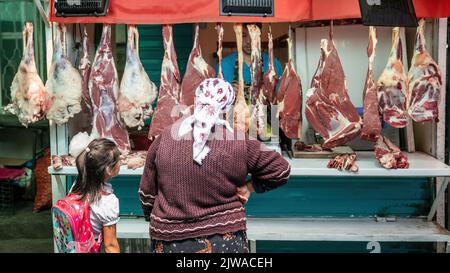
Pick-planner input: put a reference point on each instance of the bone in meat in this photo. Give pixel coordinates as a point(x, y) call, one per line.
point(104, 91)
point(371, 128)
point(392, 86)
point(389, 155)
point(219, 29)
point(197, 70)
point(424, 80)
point(289, 98)
point(241, 113)
point(85, 71)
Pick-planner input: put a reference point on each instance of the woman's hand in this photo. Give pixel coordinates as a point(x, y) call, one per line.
point(244, 192)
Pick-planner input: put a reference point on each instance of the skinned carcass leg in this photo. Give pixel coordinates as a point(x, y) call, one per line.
point(137, 91)
point(64, 84)
point(104, 91)
point(29, 99)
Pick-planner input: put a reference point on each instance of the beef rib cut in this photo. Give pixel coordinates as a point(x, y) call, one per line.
point(328, 107)
point(371, 128)
point(64, 84)
point(424, 81)
point(392, 86)
point(104, 91)
point(289, 98)
point(166, 110)
point(197, 70)
point(29, 99)
point(137, 91)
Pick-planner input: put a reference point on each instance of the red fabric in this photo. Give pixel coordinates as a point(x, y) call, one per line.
point(9, 174)
point(346, 9)
point(182, 11)
point(196, 11)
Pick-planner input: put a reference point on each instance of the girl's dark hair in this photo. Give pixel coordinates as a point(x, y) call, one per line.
point(92, 164)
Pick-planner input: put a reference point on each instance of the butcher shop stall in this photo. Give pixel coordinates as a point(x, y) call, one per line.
point(352, 94)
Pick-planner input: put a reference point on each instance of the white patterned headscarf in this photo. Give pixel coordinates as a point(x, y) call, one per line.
point(212, 97)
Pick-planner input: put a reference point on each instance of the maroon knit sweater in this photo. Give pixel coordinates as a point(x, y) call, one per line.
point(186, 200)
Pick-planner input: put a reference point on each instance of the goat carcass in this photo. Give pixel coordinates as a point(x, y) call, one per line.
point(104, 91)
point(137, 91)
point(29, 99)
point(424, 80)
point(219, 29)
point(85, 71)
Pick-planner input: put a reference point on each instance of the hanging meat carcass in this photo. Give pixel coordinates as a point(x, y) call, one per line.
point(104, 91)
point(289, 97)
point(64, 84)
point(197, 70)
point(137, 91)
point(167, 109)
point(219, 29)
point(270, 78)
point(29, 99)
point(371, 128)
point(424, 81)
point(328, 107)
point(85, 71)
point(241, 113)
point(392, 86)
point(258, 118)
point(389, 155)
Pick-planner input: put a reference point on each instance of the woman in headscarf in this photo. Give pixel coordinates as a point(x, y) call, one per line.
point(194, 186)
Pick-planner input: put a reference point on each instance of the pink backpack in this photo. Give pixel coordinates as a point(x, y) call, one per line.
point(72, 229)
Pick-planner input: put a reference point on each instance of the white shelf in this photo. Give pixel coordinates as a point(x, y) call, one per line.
point(73, 171)
point(319, 229)
point(421, 165)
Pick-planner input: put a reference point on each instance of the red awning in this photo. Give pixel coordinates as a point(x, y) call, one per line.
point(182, 11)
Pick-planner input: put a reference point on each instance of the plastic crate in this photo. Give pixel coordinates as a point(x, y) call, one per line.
point(81, 8)
point(6, 197)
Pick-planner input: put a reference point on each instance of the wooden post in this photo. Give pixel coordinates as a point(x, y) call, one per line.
point(440, 46)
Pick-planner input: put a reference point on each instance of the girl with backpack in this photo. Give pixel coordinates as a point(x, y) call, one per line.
point(88, 215)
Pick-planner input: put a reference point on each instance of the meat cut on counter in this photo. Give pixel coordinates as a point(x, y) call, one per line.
point(104, 92)
point(393, 86)
point(64, 84)
point(424, 80)
point(289, 98)
point(389, 155)
point(137, 91)
point(371, 128)
point(328, 107)
point(29, 99)
point(167, 108)
point(345, 162)
point(197, 70)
